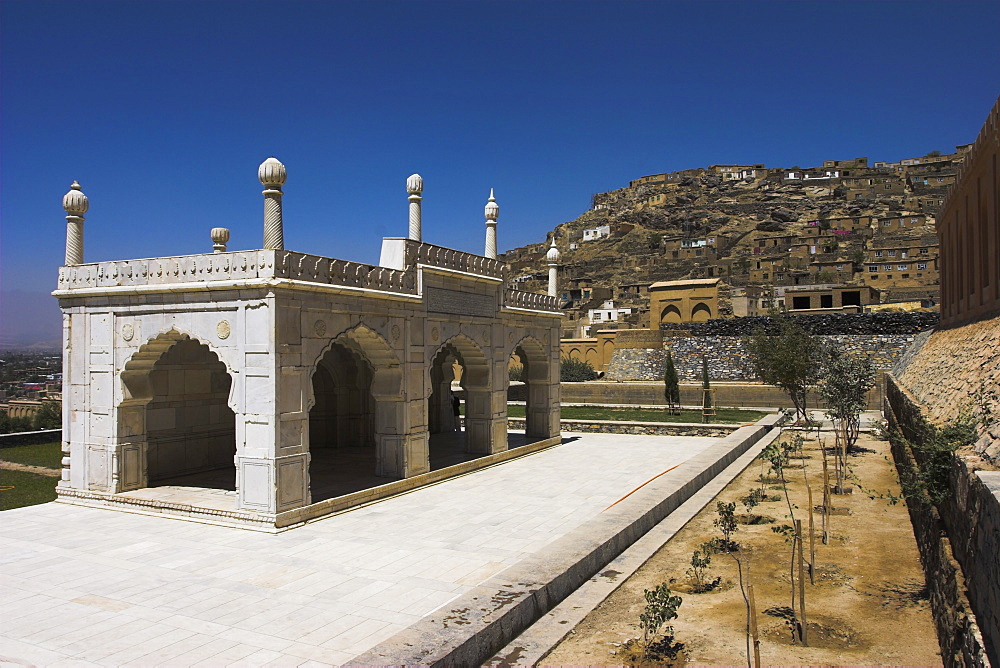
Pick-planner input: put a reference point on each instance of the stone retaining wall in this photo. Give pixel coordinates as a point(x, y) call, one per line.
point(958, 368)
point(728, 358)
point(958, 545)
point(651, 394)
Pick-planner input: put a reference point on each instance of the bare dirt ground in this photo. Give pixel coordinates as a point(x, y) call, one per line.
point(868, 604)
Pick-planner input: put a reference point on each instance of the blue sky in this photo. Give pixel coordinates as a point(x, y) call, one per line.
point(163, 110)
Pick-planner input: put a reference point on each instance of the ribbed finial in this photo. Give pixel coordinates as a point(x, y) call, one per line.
point(75, 202)
point(220, 237)
point(553, 254)
point(492, 209)
point(415, 184)
point(272, 173)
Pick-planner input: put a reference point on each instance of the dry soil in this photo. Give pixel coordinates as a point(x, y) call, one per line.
point(867, 605)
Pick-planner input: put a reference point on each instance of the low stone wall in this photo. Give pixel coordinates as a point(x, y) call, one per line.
point(728, 358)
point(958, 544)
point(30, 437)
point(651, 394)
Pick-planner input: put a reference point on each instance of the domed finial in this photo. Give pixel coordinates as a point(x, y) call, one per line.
point(492, 209)
point(75, 202)
point(220, 236)
point(553, 254)
point(415, 184)
point(272, 173)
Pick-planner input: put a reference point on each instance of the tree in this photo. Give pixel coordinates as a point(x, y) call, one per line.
point(671, 386)
point(790, 359)
point(661, 607)
point(49, 416)
point(845, 388)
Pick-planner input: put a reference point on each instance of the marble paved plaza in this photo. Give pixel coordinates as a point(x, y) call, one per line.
point(88, 586)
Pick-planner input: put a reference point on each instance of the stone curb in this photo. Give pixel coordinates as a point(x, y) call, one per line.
point(485, 619)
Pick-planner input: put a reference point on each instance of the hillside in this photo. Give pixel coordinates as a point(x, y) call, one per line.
point(773, 227)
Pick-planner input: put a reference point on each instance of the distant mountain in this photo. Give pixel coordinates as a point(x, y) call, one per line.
point(29, 321)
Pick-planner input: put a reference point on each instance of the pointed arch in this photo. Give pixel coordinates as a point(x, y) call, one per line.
point(701, 312)
point(176, 420)
point(538, 376)
point(671, 314)
point(367, 344)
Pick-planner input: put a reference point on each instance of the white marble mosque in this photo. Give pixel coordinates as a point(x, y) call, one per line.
point(263, 388)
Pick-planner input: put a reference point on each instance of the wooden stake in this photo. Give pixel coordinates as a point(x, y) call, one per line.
point(753, 627)
point(812, 539)
point(802, 587)
point(826, 504)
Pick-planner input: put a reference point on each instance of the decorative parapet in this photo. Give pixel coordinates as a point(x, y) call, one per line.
point(534, 301)
point(449, 258)
point(317, 269)
point(236, 266)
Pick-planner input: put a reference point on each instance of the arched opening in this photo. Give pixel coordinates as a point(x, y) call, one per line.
point(670, 314)
point(700, 313)
point(342, 437)
point(538, 398)
point(592, 358)
point(176, 413)
point(454, 438)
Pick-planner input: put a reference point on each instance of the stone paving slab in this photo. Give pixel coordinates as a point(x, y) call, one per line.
point(91, 586)
point(483, 620)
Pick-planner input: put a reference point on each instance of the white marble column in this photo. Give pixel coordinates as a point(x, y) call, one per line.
point(415, 186)
point(492, 213)
point(272, 175)
point(75, 203)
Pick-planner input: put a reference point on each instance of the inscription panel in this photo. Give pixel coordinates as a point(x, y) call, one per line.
point(442, 300)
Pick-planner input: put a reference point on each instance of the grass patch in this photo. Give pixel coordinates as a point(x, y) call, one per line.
point(724, 415)
point(19, 489)
point(41, 454)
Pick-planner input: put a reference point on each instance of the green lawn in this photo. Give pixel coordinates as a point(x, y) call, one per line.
point(722, 415)
point(19, 489)
point(42, 454)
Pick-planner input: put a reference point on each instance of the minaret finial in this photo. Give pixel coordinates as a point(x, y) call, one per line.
point(75, 203)
point(272, 175)
point(415, 186)
point(492, 213)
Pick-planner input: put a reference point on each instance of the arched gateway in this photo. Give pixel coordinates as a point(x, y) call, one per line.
point(282, 381)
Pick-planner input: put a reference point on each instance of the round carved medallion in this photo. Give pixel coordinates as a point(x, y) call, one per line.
point(320, 327)
point(128, 331)
point(434, 334)
point(223, 329)
point(395, 333)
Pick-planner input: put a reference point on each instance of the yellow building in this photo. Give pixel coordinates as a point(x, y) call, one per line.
point(689, 300)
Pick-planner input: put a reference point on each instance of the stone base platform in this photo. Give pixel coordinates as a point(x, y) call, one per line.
point(205, 498)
